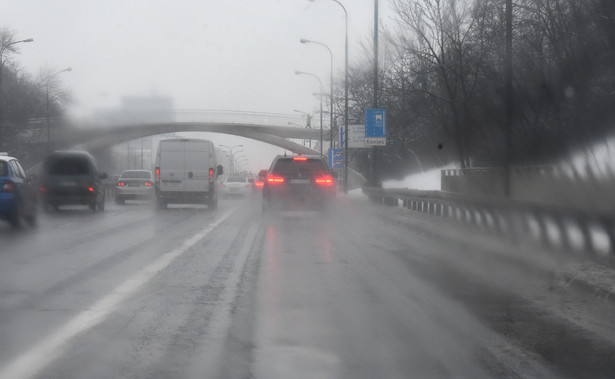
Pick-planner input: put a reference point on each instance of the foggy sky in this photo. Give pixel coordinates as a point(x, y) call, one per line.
point(205, 54)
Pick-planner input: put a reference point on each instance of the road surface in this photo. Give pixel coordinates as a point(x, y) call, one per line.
point(188, 292)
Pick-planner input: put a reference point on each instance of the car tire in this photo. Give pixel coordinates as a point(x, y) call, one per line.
point(17, 219)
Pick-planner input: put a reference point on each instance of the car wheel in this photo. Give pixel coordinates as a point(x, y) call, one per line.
point(32, 218)
point(17, 219)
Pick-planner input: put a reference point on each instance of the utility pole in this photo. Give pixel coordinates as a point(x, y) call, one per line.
point(373, 177)
point(509, 100)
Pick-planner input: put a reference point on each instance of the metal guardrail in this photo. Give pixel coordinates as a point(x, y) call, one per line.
point(510, 218)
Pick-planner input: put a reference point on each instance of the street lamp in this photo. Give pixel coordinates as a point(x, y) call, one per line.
point(345, 101)
point(2, 49)
point(320, 83)
point(303, 40)
point(231, 148)
point(47, 107)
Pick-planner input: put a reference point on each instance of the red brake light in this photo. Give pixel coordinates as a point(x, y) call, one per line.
point(259, 184)
point(157, 172)
point(272, 179)
point(324, 180)
point(148, 184)
point(121, 184)
point(9, 187)
point(91, 189)
point(300, 159)
point(211, 173)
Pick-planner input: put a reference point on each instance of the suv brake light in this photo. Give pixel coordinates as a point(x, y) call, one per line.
point(300, 159)
point(272, 179)
point(324, 180)
point(158, 173)
point(211, 173)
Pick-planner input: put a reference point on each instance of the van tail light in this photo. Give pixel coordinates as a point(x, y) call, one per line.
point(272, 179)
point(148, 184)
point(157, 173)
point(8, 186)
point(324, 181)
point(121, 184)
point(211, 174)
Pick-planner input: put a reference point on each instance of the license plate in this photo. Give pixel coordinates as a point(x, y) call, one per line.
point(300, 181)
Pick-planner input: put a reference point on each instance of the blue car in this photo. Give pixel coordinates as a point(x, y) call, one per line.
point(18, 193)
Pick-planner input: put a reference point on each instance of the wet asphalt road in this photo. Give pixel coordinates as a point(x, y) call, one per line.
point(193, 293)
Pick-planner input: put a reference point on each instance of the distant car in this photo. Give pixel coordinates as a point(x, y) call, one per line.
point(72, 178)
point(134, 185)
point(259, 181)
point(236, 186)
point(299, 182)
point(17, 193)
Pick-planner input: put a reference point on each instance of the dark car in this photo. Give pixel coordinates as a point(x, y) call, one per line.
point(17, 193)
point(298, 182)
point(72, 178)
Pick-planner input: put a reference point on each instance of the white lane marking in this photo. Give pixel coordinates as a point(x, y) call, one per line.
point(32, 361)
point(219, 324)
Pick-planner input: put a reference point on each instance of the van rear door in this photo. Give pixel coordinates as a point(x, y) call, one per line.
point(172, 164)
point(198, 155)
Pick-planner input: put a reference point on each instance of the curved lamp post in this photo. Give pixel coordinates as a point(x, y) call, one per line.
point(345, 100)
point(67, 69)
point(303, 40)
point(231, 148)
point(320, 83)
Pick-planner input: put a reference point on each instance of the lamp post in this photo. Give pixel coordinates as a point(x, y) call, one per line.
point(231, 148)
point(345, 99)
point(303, 40)
point(3, 48)
point(47, 106)
point(320, 83)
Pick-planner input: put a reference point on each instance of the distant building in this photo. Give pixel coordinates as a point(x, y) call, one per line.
point(138, 110)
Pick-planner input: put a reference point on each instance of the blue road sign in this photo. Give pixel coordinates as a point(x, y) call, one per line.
point(375, 126)
point(336, 158)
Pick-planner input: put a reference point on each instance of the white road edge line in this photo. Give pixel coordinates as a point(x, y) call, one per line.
point(32, 361)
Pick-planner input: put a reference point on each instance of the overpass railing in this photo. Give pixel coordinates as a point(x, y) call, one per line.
point(567, 227)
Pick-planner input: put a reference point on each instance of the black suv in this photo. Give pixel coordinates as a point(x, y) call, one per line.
point(299, 182)
point(71, 177)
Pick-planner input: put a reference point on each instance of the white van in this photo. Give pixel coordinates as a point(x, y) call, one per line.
point(186, 172)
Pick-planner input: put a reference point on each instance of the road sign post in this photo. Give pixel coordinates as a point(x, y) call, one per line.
point(336, 158)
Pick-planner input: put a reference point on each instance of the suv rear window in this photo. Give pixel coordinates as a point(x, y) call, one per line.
point(68, 166)
point(290, 166)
